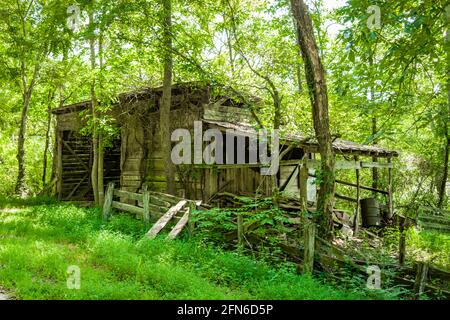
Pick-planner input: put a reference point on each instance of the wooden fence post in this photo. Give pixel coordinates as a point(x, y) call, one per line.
point(402, 242)
point(146, 203)
point(303, 186)
point(190, 223)
point(421, 278)
point(240, 229)
point(108, 200)
point(309, 241)
point(358, 196)
point(390, 194)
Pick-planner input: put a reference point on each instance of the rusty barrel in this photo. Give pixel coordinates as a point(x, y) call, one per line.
point(370, 212)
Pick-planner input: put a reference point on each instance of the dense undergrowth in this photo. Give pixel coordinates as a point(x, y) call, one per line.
point(41, 238)
point(38, 242)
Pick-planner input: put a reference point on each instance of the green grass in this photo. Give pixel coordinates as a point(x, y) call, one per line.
point(430, 245)
point(39, 242)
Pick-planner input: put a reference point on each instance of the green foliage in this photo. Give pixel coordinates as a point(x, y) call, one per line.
point(263, 221)
point(39, 243)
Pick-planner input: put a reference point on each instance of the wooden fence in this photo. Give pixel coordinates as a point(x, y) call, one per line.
point(433, 219)
point(151, 206)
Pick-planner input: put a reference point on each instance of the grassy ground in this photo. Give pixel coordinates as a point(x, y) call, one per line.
point(38, 242)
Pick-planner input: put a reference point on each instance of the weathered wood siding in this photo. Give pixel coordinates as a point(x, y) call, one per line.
point(73, 159)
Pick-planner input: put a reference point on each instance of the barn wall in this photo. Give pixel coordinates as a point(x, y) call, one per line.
point(141, 155)
point(73, 159)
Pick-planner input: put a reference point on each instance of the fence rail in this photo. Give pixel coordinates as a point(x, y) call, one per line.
point(433, 219)
point(154, 206)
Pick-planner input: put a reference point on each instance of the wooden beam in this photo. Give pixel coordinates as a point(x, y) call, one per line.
point(421, 278)
point(108, 200)
point(77, 186)
point(179, 226)
point(390, 195)
point(381, 165)
point(146, 204)
point(128, 195)
point(292, 176)
point(339, 196)
point(76, 155)
point(343, 165)
point(161, 223)
point(303, 186)
point(361, 186)
point(355, 221)
point(59, 164)
point(309, 243)
point(128, 207)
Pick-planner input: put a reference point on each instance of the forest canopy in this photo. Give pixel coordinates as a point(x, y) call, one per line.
point(386, 65)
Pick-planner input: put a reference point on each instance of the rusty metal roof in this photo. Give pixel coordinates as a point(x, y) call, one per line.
point(340, 146)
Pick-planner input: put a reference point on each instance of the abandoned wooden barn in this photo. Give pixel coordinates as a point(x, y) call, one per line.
point(134, 156)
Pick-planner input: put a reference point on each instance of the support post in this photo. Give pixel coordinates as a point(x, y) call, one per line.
point(309, 241)
point(421, 278)
point(358, 196)
point(146, 203)
point(108, 200)
point(390, 195)
point(402, 242)
point(59, 182)
point(303, 181)
point(240, 229)
point(190, 223)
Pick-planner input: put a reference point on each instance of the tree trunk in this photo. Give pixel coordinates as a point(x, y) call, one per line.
point(20, 184)
point(166, 96)
point(277, 109)
point(94, 169)
point(443, 185)
point(100, 143)
point(47, 137)
point(315, 77)
point(100, 161)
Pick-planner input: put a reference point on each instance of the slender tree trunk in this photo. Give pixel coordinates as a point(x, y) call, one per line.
point(230, 52)
point(277, 110)
point(47, 136)
point(315, 76)
point(374, 159)
point(167, 95)
point(100, 161)
point(443, 185)
point(298, 65)
point(374, 125)
point(100, 142)
point(20, 184)
point(94, 169)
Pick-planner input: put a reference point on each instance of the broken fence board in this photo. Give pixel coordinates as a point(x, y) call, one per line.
point(128, 208)
point(179, 226)
point(166, 218)
point(108, 200)
point(128, 195)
